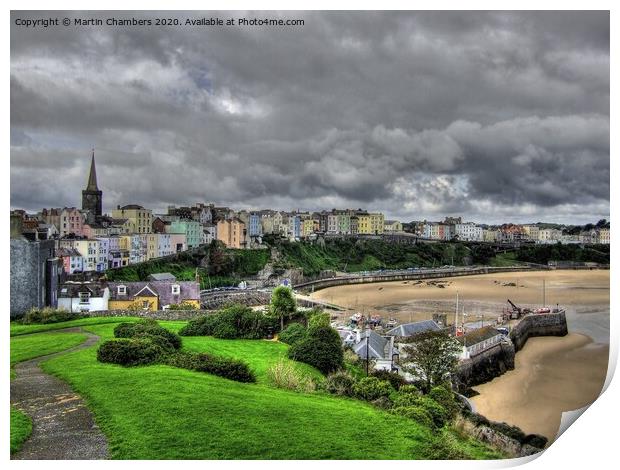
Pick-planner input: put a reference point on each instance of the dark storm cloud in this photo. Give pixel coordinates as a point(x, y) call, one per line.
point(485, 114)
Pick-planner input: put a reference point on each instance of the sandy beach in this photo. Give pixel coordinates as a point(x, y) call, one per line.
point(551, 375)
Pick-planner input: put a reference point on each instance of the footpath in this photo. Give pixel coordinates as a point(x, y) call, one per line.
point(63, 427)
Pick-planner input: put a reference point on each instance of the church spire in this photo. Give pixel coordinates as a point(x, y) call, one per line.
point(92, 178)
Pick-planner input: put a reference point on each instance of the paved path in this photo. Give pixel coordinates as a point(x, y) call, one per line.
point(62, 426)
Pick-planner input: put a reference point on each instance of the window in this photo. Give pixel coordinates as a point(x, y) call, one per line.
point(121, 290)
point(84, 297)
point(145, 304)
point(176, 289)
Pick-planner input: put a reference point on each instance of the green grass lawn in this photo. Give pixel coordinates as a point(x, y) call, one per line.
point(19, 329)
point(162, 412)
point(21, 427)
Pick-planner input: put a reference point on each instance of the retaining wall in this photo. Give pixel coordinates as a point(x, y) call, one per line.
point(485, 366)
point(155, 315)
point(414, 275)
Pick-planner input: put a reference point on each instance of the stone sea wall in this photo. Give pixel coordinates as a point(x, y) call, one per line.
point(497, 360)
point(548, 324)
point(485, 366)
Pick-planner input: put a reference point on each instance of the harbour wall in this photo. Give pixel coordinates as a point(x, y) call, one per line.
point(498, 359)
point(549, 324)
point(405, 276)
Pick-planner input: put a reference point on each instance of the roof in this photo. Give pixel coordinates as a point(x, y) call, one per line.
point(189, 290)
point(378, 347)
point(73, 289)
point(410, 329)
point(479, 335)
point(67, 252)
point(162, 277)
point(132, 207)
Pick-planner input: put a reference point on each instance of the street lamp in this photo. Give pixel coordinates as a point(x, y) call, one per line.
point(367, 356)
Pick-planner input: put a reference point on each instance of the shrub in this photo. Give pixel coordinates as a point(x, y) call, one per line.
point(319, 320)
point(284, 375)
point(339, 383)
point(130, 352)
point(535, 440)
point(396, 380)
point(183, 306)
point(382, 402)
point(437, 412)
point(147, 327)
point(293, 333)
point(409, 390)
point(233, 321)
point(124, 330)
point(445, 398)
point(415, 413)
point(201, 326)
point(371, 388)
point(322, 349)
point(50, 315)
point(444, 447)
point(221, 366)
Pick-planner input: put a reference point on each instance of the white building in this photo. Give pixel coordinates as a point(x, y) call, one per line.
point(468, 232)
point(83, 297)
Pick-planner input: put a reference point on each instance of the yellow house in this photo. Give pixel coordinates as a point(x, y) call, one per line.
point(153, 295)
point(231, 232)
point(363, 224)
point(141, 219)
point(377, 223)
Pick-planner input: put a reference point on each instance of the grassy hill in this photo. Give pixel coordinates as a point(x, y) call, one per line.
point(161, 412)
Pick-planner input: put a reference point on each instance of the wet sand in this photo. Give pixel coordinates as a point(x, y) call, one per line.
point(480, 295)
point(551, 374)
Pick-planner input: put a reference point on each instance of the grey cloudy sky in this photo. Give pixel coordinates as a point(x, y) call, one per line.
point(493, 116)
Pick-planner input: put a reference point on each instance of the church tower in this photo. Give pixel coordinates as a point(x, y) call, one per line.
point(92, 196)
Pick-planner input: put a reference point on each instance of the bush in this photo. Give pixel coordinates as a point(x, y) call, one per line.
point(339, 383)
point(183, 306)
point(322, 349)
point(371, 388)
point(49, 315)
point(396, 380)
point(444, 447)
point(445, 398)
point(415, 413)
point(293, 333)
point(319, 320)
point(284, 375)
point(147, 327)
point(233, 321)
point(201, 326)
point(437, 412)
point(409, 390)
point(535, 440)
point(382, 402)
point(130, 352)
point(221, 366)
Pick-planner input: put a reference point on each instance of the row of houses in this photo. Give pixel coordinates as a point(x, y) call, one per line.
point(452, 228)
point(156, 294)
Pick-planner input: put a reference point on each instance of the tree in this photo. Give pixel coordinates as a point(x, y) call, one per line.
point(282, 304)
point(430, 356)
point(321, 348)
